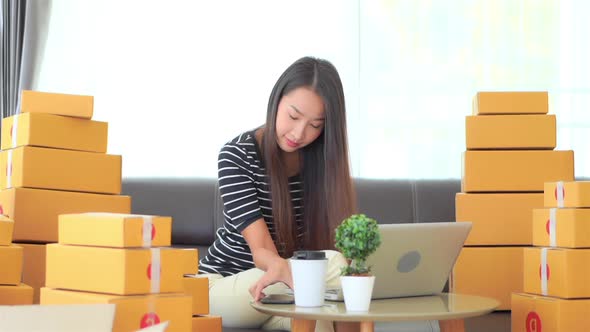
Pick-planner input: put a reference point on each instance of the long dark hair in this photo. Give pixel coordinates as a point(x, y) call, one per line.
point(328, 194)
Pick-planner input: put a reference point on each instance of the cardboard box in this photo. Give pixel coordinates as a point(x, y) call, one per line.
point(498, 219)
point(567, 273)
point(198, 288)
point(34, 267)
point(11, 265)
point(62, 170)
point(207, 324)
point(113, 270)
point(511, 102)
point(16, 295)
point(132, 312)
point(57, 103)
point(190, 257)
point(62, 318)
point(115, 230)
point(494, 272)
point(54, 131)
point(6, 230)
point(510, 132)
point(570, 228)
point(531, 313)
point(574, 194)
point(35, 211)
point(514, 171)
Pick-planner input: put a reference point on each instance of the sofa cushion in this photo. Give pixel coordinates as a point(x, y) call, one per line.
point(197, 209)
point(434, 200)
point(387, 201)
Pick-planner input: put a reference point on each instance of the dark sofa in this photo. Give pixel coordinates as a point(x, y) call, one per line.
point(195, 207)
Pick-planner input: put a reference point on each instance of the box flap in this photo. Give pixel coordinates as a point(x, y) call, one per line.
point(62, 318)
point(155, 328)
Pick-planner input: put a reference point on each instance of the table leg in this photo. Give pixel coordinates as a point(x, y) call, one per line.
point(452, 325)
point(302, 325)
point(367, 326)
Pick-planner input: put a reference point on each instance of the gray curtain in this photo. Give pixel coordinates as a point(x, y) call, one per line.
point(12, 30)
point(23, 31)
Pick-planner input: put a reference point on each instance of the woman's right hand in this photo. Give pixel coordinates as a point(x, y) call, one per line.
point(278, 271)
point(266, 258)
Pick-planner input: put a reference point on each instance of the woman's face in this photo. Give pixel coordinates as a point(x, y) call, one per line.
point(300, 119)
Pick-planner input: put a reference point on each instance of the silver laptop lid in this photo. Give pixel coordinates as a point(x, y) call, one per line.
point(416, 259)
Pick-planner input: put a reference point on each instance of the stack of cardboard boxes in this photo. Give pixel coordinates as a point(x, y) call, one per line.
point(556, 270)
point(54, 161)
point(198, 287)
point(56, 172)
point(510, 155)
point(122, 259)
point(12, 291)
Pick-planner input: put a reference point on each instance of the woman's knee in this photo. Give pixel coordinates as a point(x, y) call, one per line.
point(236, 311)
point(335, 258)
point(336, 262)
point(230, 298)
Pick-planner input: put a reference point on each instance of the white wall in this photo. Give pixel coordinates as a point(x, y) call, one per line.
point(177, 79)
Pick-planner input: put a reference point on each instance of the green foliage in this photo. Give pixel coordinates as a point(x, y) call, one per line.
point(357, 237)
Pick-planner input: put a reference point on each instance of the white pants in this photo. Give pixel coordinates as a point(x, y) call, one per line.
point(229, 297)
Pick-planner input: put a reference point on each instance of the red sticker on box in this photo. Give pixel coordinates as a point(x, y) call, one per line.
point(548, 272)
point(153, 231)
point(149, 271)
point(562, 193)
point(149, 319)
point(547, 227)
point(533, 322)
point(1, 209)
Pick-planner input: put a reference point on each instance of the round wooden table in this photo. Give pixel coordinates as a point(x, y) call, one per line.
point(449, 308)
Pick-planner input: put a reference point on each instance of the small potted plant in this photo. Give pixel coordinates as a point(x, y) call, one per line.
point(357, 237)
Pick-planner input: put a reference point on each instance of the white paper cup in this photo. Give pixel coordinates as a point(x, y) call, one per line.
point(309, 281)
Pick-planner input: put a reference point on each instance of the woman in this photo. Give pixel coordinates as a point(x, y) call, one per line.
point(298, 161)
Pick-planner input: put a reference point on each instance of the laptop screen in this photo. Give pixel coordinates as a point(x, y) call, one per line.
point(416, 258)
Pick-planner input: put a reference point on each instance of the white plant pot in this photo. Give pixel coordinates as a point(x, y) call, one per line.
point(357, 292)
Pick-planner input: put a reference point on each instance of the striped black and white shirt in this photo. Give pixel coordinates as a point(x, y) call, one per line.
point(245, 192)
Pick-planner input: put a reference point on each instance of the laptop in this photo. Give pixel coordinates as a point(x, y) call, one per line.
point(413, 259)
